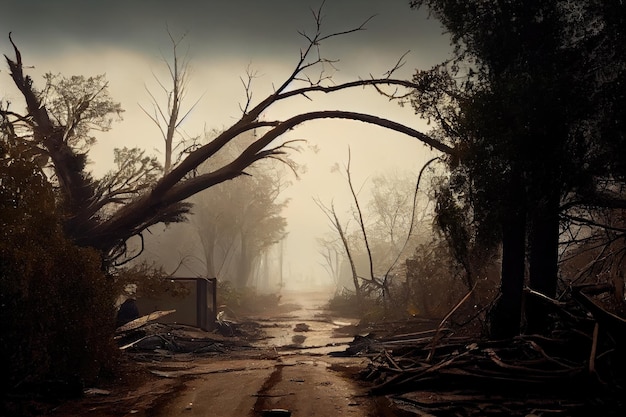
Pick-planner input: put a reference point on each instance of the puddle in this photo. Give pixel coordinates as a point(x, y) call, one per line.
point(319, 339)
point(284, 333)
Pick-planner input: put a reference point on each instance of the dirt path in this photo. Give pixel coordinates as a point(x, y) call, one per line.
point(306, 386)
point(291, 373)
point(289, 370)
point(300, 377)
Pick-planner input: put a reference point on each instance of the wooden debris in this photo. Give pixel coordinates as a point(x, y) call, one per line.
point(612, 323)
point(578, 369)
point(137, 323)
point(167, 339)
point(276, 412)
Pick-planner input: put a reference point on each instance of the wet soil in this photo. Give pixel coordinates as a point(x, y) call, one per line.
point(290, 371)
point(293, 366)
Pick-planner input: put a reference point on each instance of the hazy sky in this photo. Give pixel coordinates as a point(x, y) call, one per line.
point(127, 39)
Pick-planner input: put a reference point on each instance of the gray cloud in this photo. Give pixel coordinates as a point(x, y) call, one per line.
point(43, 26)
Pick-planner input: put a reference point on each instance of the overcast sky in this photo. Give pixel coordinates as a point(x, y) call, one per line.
point(126, 39)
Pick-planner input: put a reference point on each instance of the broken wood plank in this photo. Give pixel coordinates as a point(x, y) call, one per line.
point(137, 323)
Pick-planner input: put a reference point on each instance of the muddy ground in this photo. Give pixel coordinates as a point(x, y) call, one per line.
point(309, 362)
point(290, 368)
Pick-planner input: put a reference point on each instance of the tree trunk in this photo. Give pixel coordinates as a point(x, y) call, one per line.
point(207, 238)
point(243, 267)
point(506, 315)
point(543, 270)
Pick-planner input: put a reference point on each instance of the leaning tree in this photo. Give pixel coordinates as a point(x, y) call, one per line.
point(105, 217)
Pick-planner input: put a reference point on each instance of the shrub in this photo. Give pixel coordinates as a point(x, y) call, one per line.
point(55, 302)
point(241, 302)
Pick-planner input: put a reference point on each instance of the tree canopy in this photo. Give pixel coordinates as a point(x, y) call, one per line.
point(528, 100)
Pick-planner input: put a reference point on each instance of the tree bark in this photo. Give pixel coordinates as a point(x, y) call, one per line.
point(506, 315)
point(543, 268)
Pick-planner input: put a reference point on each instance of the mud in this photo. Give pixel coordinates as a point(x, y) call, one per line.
point(293, 372)
point(279, 372)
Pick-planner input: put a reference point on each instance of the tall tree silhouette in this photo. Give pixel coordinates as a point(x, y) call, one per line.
point(527, 100)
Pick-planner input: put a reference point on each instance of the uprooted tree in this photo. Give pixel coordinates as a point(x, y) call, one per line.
point(104, 218)
point(236, 222)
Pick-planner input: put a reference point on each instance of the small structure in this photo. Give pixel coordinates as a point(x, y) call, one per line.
point(197, 308)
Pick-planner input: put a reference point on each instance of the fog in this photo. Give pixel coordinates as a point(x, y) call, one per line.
point(127, 42)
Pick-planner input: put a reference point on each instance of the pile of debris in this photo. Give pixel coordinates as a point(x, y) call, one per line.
point(144, 334)
point(175, 338)
point(579, 369)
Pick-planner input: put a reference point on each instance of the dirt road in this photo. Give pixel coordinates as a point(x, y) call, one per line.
point(290, 372)
point(303, 385)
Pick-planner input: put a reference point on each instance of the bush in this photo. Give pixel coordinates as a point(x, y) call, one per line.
point(346, 305)
point(58, 314)
point(56, 304)
point(242, 302)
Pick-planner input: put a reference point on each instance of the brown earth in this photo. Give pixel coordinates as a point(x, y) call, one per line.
point(280, 364)
point(241, 384)
point(278, 373)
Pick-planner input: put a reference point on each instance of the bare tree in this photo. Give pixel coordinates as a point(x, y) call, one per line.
point(395, 214)
point(330, 250)
point(336, 224)
point(169, 117)
point(399, 220)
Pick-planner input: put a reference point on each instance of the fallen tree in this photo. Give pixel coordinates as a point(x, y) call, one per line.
point(105, 216)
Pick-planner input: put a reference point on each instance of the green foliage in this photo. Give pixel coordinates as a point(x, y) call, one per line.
point(147, 281)
point(430, 285)
point(134, 173)
point(367, 308)
point(80, 104)
point(452, 220)
point(532, 96)
point(530, 101)
point(55, 302)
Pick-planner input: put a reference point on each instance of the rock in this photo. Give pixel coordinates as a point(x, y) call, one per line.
point(301, 327)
